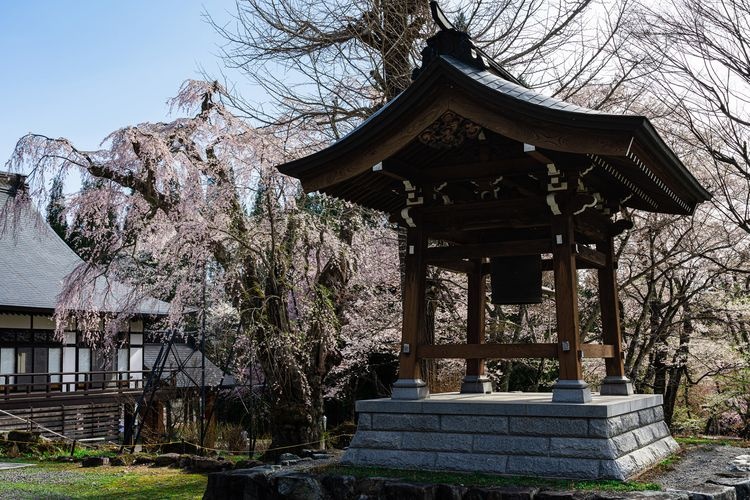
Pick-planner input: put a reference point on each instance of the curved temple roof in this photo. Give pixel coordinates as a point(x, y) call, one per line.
point(624, 151)
point(34, 263)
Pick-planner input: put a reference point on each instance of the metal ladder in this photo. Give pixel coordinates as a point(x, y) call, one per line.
point(149, 391)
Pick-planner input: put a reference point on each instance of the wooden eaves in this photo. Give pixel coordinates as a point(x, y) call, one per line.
point(623, 149)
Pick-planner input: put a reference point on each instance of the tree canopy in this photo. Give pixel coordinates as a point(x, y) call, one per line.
point(311, 284)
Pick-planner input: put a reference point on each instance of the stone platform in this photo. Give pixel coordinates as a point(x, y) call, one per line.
point(611, 437)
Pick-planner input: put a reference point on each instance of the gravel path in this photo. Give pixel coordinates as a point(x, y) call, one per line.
point(34, 475)
point(697, 465)
point(13, 465)
point(37, 475)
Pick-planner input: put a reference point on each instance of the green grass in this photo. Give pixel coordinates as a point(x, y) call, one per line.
point(670, 461)
point(238, 457)
point(138, 482)
point(718, 441)
point(51, 456)
point(473, 479)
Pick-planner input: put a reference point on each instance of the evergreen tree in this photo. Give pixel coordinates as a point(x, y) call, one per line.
point(56, 209)
point(93, 246)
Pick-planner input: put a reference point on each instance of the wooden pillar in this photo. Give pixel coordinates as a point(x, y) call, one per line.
point(128, 421)
point(410, 384)
point(475, 380)
point(570, 387)
point(615, 383)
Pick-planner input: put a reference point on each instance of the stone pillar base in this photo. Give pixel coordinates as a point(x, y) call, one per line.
point(410, 388)
point(571, 391)
point(476, 384)
point(616, 386)
point(613, 437)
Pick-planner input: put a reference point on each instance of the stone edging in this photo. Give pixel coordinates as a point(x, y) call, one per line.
point(271, 484)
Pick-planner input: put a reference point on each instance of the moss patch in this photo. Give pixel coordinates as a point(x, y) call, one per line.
point(473, 479)
point(719, 441)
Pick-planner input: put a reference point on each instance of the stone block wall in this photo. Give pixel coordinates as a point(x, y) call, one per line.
point(605, 441)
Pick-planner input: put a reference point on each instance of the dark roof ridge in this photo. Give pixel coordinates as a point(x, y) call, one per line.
point(451, 41)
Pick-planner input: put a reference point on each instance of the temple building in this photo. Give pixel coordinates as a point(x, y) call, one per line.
point(64, 385)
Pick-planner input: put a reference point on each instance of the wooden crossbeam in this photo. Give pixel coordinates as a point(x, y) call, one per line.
point(486, 214)
point(493, 208)
point(598, 351)
point(546, 266)
point(461, 171)
point(487, 351)
point(537, 155)
point(457, 266)
point(380, 168)
point(479, 250)
point(452, 260)
point(507, 351)
point(594, 258)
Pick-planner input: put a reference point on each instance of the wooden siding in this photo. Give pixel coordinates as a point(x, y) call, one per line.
point(82, 421)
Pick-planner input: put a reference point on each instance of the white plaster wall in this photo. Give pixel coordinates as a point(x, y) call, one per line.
point(43, 323)
point(15, 321)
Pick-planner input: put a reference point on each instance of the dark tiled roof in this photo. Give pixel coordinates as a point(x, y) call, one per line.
point(184, 363)
point(34, 262)
point(491, 80)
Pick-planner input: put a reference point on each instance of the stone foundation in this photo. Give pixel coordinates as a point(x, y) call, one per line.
point(611, 437)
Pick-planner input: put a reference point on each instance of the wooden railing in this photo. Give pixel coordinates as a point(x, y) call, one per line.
point(20, 385)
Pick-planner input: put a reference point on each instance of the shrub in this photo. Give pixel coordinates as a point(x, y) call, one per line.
point(342, 434)
point(685, 424)
point(232, 437)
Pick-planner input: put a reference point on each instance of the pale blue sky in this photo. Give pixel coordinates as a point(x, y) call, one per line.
point(81, 69)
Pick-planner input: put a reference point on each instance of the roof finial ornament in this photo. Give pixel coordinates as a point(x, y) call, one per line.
point(439, 17)
point(449, 41)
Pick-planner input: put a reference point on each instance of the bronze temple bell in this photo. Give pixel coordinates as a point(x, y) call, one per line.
point(516, 280)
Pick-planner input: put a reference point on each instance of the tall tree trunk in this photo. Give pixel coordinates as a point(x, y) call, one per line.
point(679, 364)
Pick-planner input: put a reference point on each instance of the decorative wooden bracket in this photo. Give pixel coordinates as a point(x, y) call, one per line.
point(413, 194)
